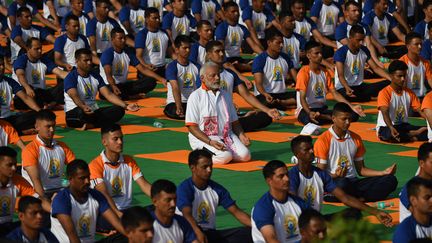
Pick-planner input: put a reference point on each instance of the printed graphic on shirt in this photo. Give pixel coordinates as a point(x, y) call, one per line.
point(84, 226)
point(3, 98)
point(180, 29)
point(381, 32)
point(5, 203)
point(400, 114)
point(187, 80)
point(355, 68)
point(210, 125)
point(54, 168)
point(290, 224)
point(343, 162)
point(156, 45)
point(105, 34)
point(329, 20)
point(118, 68)
point(318, 90)
point(235, 38)
point(117, 185)
point(309, 194)
point(415, 81)
point(36, 76)
point(203, 213)
point(277, 74)
point(139, 22)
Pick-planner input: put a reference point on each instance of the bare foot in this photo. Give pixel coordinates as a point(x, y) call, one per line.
point(86, 126)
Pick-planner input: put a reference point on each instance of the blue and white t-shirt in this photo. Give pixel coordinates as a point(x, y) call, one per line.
point(8, 88)
point(369, 4)
point(404, 204)
point(426, 50)
point(410, 230)
point(45, 236)
point(283, 216)
point(327, 15)
point(292, 46)
point(354, 65)
point(68, 47)
point(34, 31)
point(34, 71)
point(343, 29)
point(62, 7)
point(83, 215)
point(203, 202)
point(232, 36)
point(259, 20)
point(186, 77)
point(13, 9)
point(311, 189)
point(305, 27)
point(155, 45)
point(119, 63)
point(102, 32)
point(159, 4)
point(178, 231)
point(422, 28)
point(134, 16)
point(207, 9)
point(274, 72)
point(380, 27)
point(83, 20)
point(197, 53)
point(178, 25)
point(87, 88)
point(89, 6)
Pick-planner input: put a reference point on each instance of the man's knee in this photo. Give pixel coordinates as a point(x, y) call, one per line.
point(390, 182)
point(242, 155)
point(222, 157)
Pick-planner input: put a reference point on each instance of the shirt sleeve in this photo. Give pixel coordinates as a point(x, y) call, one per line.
point(189, 234)
point(13, 136)
point(103, 203)
point(392, 21)
point(426, 50)
point(294, 180)
point(71, 80)
point(193, 110)
point(142, 36)
point(321, 149)
point(185, 195)
point(415, 101)
point(341, 32)
point(133, 59)
point(124, 14)
point(171, 71)
point(49, 63)
point(88, 6)
point(196, 6)
point(24, 187)
point(136, 171)
point(61, 203)
point(69, 154)
point(384, 97)
point(368, 19)
point(405, 232)
point(328, 182)
point(329, 82)
point(16, 87)
point(315, 10)
point(192, 20)
point(221, 31)
point(96, 171)
point(427, 102)
point(167, 21)
point(20, 63)
point(259, 63)
point(193, 55)
point(263, 213)
point(91, 27)
point(428, 70)
point(99, 79)
point(246, 33)
point(340, 55)
point(29, 155)
point(302, 79)
point(59, 44)
point(420, 28)
point(366, 51)
point(225, 199)
point(247, 14)
point(43, 32)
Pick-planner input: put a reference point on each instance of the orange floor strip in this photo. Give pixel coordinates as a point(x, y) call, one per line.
point(271, 137)
point(409, 153)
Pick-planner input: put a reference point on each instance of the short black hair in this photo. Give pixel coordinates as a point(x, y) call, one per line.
point(284, 14)
point(71, 17)
point(229, 4)
point(134, 216)
point(414, 184)
point(341, 107)
point(99, 2)
point(181, 39)
point(307, 215)
point(397, 65)
point(6, 151)
point(116, 30)
point(195, 155)
point(423, 151)
point(74, 166)
point(377, 1)
point(110, 127)
point(162, 185)
point(150, 10)
point(272, 33)
point(296, 2)
point(21, 10)
point(351, 2)
point(82, 52)
point(426, 4)
point(311, 44)
point(29, 41)
point(45, 115)
point(270, 168)
point(356, 29)
point(26, 201)
point(411, 36)
point(212, 44)
point(295, 143)
point(203, 22)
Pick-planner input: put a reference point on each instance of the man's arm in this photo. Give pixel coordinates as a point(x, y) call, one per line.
point(73, 93)
point(305, 106)
point(30, 102)
point(101, 187)
point(253, 101)
point(260, 87)
point(58, 59)
point(341, 75)
point(373, 51)
point(114, 99)
point(111, 80)
point(381, 72)
point(253, 33)
point(20, 42)
point(322, 39)
point(69, 228)
point(196, 131)
point(59, 73)
point(269, 234)
point(187, 214)
point(53, 12)
point(92, 40)
point(33, 172)
point(364, 171)
point(177, 98)
point(338, 97)
point(144, 185)
point(149, 73)
point(401, 21)
point(23, 81)
point(385, 113)
point(238, 130)
point(399, 34)
point(256, 46)
point(240, 215)
point(112, 218)
point(48, 23)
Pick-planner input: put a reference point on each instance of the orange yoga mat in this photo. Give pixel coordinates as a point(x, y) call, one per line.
point(155, 112)
point(395, 216)
point(409, 153)
point(271, 137)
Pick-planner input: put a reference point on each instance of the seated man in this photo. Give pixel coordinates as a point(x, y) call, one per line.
point(351, 60)
point(419, 70)
point(160, 5)
point(312, 225)
point(232, 34)
point(55, 10)
point(293, 43)
point(179, 21)
point(198, 198)
point(13, 14)
point(182, 76)
point(310, 183)
point(168, 226)
point(12, 187)
point(138, 225)
point(275, 215)
point(81, 87)
point(76, 208)
point(340, 152)
point(8, 135)
point(24, 31)
point(30, 214)
point(77, 9)
point(418, 225)
point(30, 70)
point(198, 49)
point(131, 16)
point(424, 158)
point(327, 16)
point(423, 25)
point(426, 48)
point(114, 69)
point(313, 84)
point(394, 102)
point(209, 10)
point(44, 159)
point(113, 172)
point(271, 70)
point(381, 25)
point(212, 120)
point(395, 8)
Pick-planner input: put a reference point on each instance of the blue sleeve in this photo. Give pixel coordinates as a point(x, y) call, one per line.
point(35, 9)
point(341, 31)
point(12, 9)
point(196, 6)
point(300, 202)
point(244, 4)
point(103, 203)
point(71, 80)
point(91, 27)
point(218, 7)
point(340, 54)
point(367, 30)
point(141, 36)
point(368, 6)
point(193, 22)
point(287, 59)
point(366, 51)
point(258, 63)
point(167, 21)
point(294, 180)
point(165, 2)
point(114, 23)
point(225, 199)
point(391, 7)
point(49, 236)
point(171, 71)
point(247, 13)
point(59, 44)
point(61, 203)
point(3, 21)
point(97, 76)
point(263, 212)
point(302, 42)
point(368, 19)
point(392, 21)
point(189, 234)
point(237, 80)
point(185, 194)
point(246, 33)
point(193, 55)
point(426, 50)
point(403, 197)
point(420, 27)
point(198, 82)
point(44, 33)
point(270, 17)
point(88, 6)
point(133, 59)
point(107, 57)
point(221, 31)
point(143, 4)
point(16, 31)
point(15, 235)
point(86, 42)
point(124, 14)
point(20, 63)
point(405, 232)
point(63, 21)
point(312, 23)
point(340, 9)
point(49, 63)
point(329, 184)
point(16, 87)
point(315, 10)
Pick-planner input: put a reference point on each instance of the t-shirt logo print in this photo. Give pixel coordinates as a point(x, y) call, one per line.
point(118, 68)
point(277, 74)
point(210, 11)
point(290, 224)
point(35, 76)
point(188, 80)
point(257, 25)
point(329, 19)
point(415, 81)
point(54, 168)
point(400, 114)
point(343, 162)
point(318, 90)
point(235, 38)
point(203, 213)
point(5, 202)
point(84, 226)
point(3, 97)
point(116, 186)
point(105, 34)
point(210, 125)
point(381, 32)
point(156, 45)
point(180, 29)
point(309, 194)
point(355, 67)
point(139, 21)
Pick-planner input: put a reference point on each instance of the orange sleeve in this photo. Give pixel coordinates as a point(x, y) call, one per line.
point(404, 59)
point(25, 189)
point(428, 69)
point(415, 102)
point(132, 163)
point(384, 97)
point(361, 150)
point(69, 155)
point(329, 82)
point(322, 146)
point(30, 154)
point(302, 79)
point(427, 102)
point(13, 136)
point(96, 168)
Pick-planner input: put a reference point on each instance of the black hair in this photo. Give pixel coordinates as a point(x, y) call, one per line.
point(212, 44)
point(134, 216)
point(45, 115)
point(150, 10)
point(22, 10)
point(311, 44)
point(411, 36)
point(162, 185)
point(270, 168)
point(377, 1)
point(341, 107)
point(423, 151)
point(356, 29)
point(229, 4)
point(414, 184)
point(81, 52)
point(181, 39)
point(203, 22)
point(397, 65)
point(115, 31)
point(74, 166)
point(426, 4)
point(297, 1)
point(195, 155)
point(26, 201)
point(351, 2)
point(30, 41)
point(272, 33)
point(110, 127)
point(295, 143)
point(71, 17)
point(6, 151)
point(307, 215)
point(99, 2)
point(284, 14)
